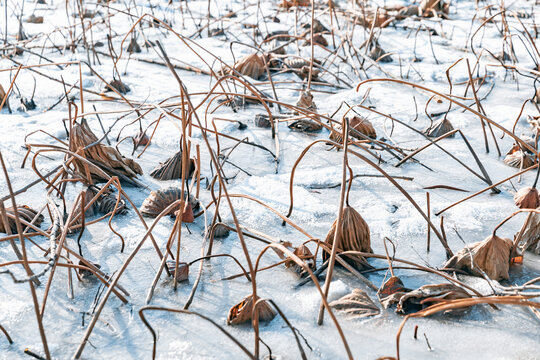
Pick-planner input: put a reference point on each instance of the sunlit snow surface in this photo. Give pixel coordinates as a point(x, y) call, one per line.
point(483, 333)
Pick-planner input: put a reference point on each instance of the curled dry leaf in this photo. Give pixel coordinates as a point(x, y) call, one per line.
point(527, 198)
point(107, 158)
point(172, 168)
point(242, 312)
point(26, 213)
point(357, 125)
point(439, 128)
point(491, 255)
point(353, 236)
point(252, 65)
point(357, 303)
point(183, 269)
point(425, 296)
point(158, 200)
point(530, 240)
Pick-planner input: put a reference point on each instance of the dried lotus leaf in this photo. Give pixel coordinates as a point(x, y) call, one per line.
point(33, 19)
point(2, 94)
point(253, 65)
point(183, 269)
point(220, 231)
point(357, 303)
point(242, 312)
point(317, 39)
point(159, 200)
point(305, 101)
point(439, 128)
point(520, 159)
point(318, 27)
point(428, 295)
point(378, 54)
point(133, 46)
point(26, 213)
point(527, 198)
point(358, 125)
point(172, 168)
point(491, 255)
point(118, 86)
point(530, 240)
point(107, 158)
point(353, 236)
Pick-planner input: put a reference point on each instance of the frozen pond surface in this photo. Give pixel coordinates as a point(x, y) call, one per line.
point(422, 50)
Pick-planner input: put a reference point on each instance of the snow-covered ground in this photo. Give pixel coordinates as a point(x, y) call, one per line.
point(482, 333)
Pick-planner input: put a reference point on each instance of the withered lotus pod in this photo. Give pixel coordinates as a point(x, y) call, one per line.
point(530, 240)
point(118, 86)
point(252, 65)
point(357, 303)
point(527, 198)
point(133, 47)
point(492, 255)
point(353, 236)
point(172, 168)
point(26, 213)
point(107, 158)
point(357, 124)
point(378, 54)
point(220, 231)
point(425, 296)
point(439, 128)
point(520, 159)
point(183, 269)
point(242, 312)
point(158, 200)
